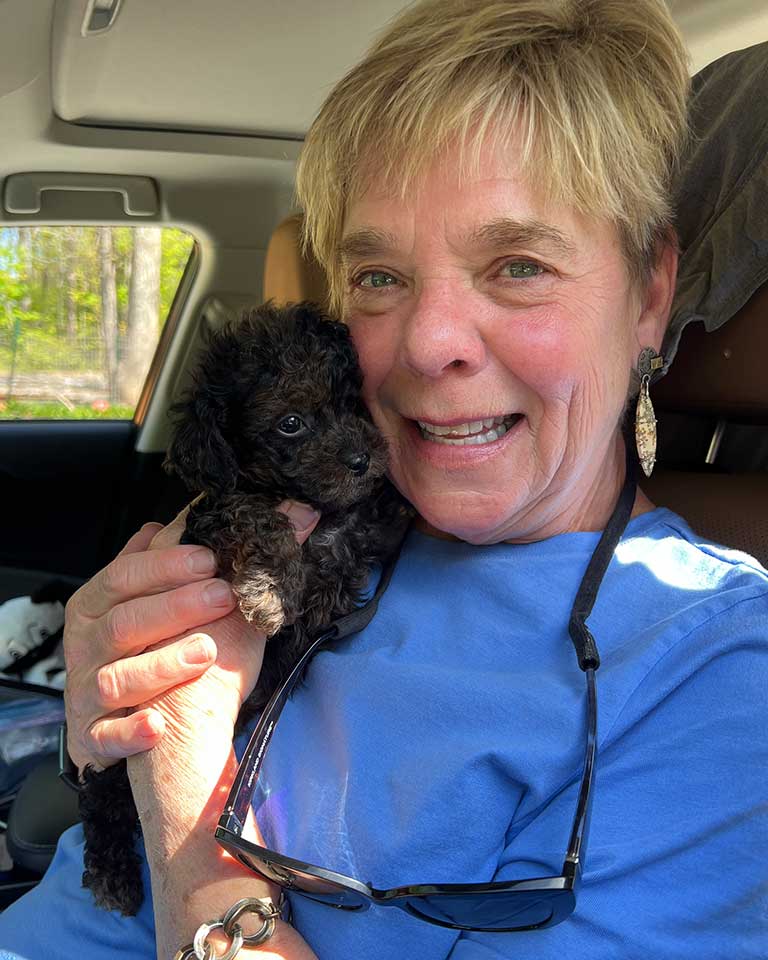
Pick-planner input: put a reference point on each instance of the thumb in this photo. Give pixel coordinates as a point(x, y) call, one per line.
point(303, 518)
point(170, 535)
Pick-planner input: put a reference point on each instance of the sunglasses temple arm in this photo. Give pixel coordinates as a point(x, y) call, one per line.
point(239, 799)
point(577, 846)
point(240, 795)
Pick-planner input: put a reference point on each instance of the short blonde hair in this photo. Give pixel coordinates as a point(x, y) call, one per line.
point(598, 87)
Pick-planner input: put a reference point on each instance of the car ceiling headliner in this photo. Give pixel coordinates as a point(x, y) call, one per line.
point(241, 66)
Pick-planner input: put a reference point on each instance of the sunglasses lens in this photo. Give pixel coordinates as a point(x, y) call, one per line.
point(506, 911)
point(316, 888)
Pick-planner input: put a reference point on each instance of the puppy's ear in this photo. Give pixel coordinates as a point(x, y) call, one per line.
point(199, 452)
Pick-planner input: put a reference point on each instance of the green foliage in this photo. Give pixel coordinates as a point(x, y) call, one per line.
point(38, 350)
point(51, 316)
point(47, 271)
point(52, 410)
point(176, 249)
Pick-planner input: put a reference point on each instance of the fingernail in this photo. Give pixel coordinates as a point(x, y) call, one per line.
point(301, 516)
point(218, 594)
point(201, 561)
point(199, 649)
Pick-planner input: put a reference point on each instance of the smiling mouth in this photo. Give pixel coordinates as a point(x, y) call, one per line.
point(470, 433)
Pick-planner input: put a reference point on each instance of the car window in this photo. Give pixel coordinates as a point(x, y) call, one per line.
point(81, 312)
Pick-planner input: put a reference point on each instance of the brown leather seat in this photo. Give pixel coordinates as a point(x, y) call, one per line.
point(719, 380)
point(289, 277)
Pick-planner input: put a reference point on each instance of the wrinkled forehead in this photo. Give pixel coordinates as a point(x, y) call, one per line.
point(486, 198)
point(473, 220)
point(510, 148)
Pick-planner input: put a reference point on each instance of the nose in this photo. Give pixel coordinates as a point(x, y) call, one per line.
point(357, 462)
point(443, 331)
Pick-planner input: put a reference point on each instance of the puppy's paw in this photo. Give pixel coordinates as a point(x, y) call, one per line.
point(260, 603)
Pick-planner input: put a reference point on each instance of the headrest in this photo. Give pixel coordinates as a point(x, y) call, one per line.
point(722, 372)
point(722, 221)
point(288, 276)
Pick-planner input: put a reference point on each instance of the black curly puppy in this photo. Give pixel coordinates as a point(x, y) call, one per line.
point(275, 413)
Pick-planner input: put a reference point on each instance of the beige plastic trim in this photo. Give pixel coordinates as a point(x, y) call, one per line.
point(24, 192)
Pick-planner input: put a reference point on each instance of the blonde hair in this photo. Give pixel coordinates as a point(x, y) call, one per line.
point(597, 87)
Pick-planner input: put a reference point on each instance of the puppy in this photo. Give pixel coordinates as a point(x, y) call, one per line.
point(275, 413)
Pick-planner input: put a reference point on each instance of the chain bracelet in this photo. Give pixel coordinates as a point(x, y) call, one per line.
point(202, 949)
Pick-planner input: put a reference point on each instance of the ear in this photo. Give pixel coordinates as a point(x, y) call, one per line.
point(199, 452)
point(347, 374)
point(657, 296)
point(53, 591)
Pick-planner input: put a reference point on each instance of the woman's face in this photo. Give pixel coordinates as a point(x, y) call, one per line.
point(475, 301)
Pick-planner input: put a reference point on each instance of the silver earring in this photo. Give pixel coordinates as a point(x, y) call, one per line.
point(645, 418)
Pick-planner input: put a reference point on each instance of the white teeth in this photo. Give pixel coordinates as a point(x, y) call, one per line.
point(471, 427)
point(431, 433)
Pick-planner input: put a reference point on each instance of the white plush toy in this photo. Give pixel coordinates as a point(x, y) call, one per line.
point(24, 626)
point(30, 636)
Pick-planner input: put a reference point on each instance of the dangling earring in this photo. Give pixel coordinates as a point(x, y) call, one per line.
point(645, 418)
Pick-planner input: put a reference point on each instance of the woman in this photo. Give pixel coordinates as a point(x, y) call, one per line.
point(489, 193)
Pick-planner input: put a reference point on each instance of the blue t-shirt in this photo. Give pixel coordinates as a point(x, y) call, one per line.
point(445, 743)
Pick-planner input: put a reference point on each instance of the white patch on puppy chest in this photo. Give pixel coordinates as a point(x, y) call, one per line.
point(260, 603)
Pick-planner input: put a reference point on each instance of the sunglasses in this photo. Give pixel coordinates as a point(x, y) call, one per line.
point(501, 907)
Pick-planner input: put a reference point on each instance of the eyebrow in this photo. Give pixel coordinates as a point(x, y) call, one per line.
point(505, 232)
point(497, 234)
point(365, 242)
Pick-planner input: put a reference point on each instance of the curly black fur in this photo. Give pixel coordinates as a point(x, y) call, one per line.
point(113, 870)
point(275, 413)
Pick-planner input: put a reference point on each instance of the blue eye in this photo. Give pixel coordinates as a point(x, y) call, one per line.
point(375, 279)
point(522, 269)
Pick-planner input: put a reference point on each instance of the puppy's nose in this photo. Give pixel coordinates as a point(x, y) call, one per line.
point(357, 462)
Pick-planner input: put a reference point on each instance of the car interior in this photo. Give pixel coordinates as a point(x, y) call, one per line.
point(190, 115)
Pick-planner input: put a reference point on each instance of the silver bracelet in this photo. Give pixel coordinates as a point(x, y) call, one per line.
point(202, 949)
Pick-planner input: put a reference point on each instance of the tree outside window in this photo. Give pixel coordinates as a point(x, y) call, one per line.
point(81, 312)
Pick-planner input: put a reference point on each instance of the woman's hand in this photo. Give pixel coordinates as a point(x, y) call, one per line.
point(180, 786)
point(153, 619)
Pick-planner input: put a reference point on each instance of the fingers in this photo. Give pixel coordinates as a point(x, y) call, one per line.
point(113, 738)
point(134, 625)
point(152, 561)
point(161, 564)
point(170, 535)
point(303, 518)
point(128, 636)
point(134, 680)
point(141, 574)
point(97, 732)
point(142, 538)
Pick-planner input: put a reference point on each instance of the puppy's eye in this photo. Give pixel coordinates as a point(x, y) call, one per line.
point(291, 426)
